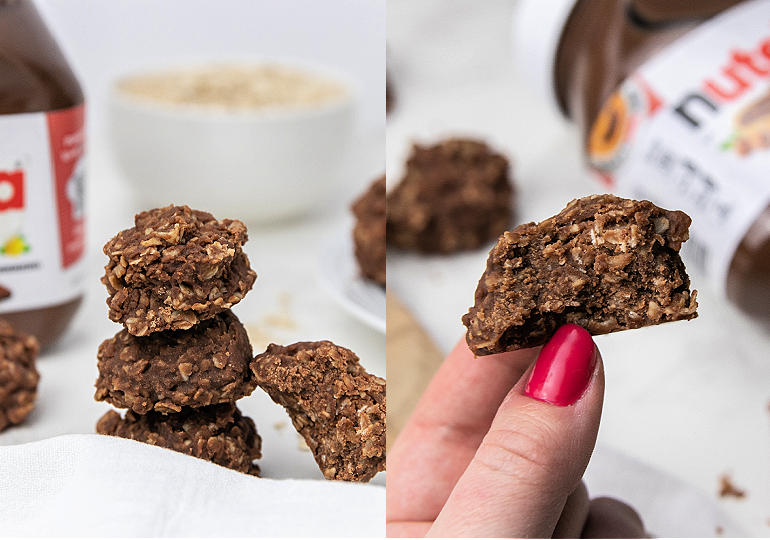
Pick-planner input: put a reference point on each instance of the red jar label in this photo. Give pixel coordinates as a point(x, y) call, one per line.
point(42, 218)
point(65, 129)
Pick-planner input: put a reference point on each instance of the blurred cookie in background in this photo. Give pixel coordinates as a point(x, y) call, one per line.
point(455, 195)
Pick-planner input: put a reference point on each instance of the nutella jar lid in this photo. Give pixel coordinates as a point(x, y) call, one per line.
point(536, 31)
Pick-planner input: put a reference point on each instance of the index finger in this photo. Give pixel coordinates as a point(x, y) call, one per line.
point(445, 430)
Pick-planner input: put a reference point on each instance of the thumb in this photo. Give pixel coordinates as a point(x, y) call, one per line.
point(537, 448)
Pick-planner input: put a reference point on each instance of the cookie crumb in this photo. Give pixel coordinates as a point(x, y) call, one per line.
point(728, 489)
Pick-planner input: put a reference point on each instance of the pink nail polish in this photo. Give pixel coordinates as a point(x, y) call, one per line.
point(564, 367)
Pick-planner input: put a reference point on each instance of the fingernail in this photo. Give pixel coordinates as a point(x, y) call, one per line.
point(564, 367)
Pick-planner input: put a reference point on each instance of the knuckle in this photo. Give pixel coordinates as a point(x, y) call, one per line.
point(528, 455)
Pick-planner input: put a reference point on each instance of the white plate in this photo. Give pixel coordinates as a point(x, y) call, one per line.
point(341, 277)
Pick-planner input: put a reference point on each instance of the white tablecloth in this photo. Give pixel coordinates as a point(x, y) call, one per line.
point(91, 485)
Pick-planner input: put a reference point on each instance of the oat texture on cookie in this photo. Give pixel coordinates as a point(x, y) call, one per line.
point(604, 263)
point(217, 433)
point(18, 375)
point(168, 370)
point(337, 407)
point(174, 268)
point(181, 361)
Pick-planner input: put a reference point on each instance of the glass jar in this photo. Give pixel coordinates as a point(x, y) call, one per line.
point(673, 100)
point(42, 222)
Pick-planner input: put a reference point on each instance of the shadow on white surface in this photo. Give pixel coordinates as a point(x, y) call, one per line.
point(669, 508)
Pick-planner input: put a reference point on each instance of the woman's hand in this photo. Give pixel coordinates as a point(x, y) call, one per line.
point(498, 444)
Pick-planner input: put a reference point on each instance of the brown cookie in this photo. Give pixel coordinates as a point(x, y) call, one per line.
point(219, 433)
point(18, 375)
point(369, 231)
point(455, 195)
point(333, 403)
point(604, 263)
point(174, 268)
point(168, 370)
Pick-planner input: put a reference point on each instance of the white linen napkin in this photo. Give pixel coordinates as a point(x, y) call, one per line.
point(94, 485)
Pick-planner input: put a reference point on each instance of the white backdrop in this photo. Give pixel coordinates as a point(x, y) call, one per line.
point(104, 38)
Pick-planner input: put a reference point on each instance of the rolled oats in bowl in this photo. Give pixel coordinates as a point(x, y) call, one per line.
point(263, 141)
point(236, 86)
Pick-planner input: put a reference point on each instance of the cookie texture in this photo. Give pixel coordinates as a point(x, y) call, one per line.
point(219, 433)
point(337, 407)
point(604, 263)
point(174, 268)
point(455, 195)
point(169, 370)
point(369, 231)
point(18, 375)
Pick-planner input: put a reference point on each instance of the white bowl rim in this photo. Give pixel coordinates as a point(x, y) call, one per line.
point(224, 114)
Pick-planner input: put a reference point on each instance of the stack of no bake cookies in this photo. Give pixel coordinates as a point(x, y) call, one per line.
point(182, 359)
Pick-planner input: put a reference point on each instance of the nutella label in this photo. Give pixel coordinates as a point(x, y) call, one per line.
point(690, 130)
point(42, 223)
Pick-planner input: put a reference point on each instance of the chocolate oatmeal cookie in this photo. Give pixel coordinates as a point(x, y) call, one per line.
point(604, 263)
point(168, 370)
point(369, 231)
point(333, 403)
point(18, 375)
point(174, 268)
point(455, 195)
point(219, 433)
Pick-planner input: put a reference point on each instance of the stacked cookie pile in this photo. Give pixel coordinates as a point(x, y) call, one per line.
point(182, 359)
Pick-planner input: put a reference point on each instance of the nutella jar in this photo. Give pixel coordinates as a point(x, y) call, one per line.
point(42, 225)
point(673, 100)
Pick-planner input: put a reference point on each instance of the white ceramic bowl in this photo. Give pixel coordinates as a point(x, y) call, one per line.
point(257, 165)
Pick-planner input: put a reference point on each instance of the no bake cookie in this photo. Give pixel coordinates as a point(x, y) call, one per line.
point(337, 407)
point(604, 263)
point(219, 433)
point(168, 370)
point(174, 268)
point(18, 375)
point(455, 195)
point(369, 231)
